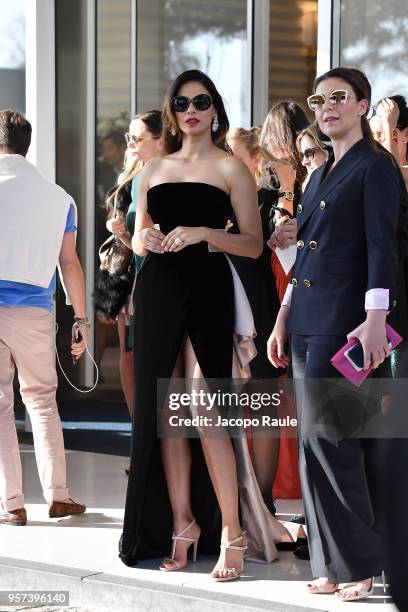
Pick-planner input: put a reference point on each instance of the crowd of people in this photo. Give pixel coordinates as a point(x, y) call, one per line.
point(207, 219)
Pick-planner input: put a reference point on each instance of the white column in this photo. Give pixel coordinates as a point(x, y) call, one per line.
point(40, 91)
point(324, 36)
point(260, 60)
point(88, 236)
point(40, 83)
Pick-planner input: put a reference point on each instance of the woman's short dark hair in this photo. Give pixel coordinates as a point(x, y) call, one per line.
point(15, 132)
point(152, 120)
point(172, 142)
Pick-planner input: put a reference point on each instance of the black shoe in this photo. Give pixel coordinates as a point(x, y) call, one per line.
point(300, 543)
point(299, 519)
point(270, 504)
point(302, 552)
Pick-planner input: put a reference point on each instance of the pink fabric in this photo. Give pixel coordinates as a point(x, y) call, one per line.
point(26, 341)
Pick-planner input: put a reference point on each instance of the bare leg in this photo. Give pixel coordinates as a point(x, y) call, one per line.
point(265, 448)
point(265, 453)
point(125, 364)
point(176, 458)
point(220, 459)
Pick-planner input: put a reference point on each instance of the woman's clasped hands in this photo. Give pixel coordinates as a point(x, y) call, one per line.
point(155, 241)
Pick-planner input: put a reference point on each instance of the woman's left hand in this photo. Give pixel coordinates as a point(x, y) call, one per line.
point(180, 237)
point(389, 112)
point(286, 174)
point(373, 338)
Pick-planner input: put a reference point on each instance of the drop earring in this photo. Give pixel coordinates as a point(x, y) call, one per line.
point(215, 124)
point(173, 131)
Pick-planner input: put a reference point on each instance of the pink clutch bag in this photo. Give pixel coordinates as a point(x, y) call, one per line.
point(341, 363)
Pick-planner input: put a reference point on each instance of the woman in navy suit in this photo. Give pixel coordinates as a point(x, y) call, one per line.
point(343, 282)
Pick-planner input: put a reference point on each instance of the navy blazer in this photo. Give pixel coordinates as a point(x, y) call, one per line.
point(347, 242)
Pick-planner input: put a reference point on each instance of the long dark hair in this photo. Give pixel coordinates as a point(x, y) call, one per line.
point(362, 90)
point(172, 136)
point(280, 130)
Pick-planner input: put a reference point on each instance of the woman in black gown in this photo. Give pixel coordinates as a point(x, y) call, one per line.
point(185, 293)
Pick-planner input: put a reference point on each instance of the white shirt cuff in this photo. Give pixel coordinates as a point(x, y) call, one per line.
point(377, 299)
point(287, 298)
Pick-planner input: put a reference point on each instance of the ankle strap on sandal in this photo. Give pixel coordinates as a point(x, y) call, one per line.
point(229, 544)
point(179, 536)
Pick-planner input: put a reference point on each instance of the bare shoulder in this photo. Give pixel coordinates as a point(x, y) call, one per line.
point(152, 166)
point(232, 166)
point(235, 171)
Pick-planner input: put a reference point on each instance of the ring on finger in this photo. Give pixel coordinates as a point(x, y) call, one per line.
point(178, 241)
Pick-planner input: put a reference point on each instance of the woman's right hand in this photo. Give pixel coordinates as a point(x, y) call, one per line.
point(152, 239)
point(277, 340)
point(117, 226)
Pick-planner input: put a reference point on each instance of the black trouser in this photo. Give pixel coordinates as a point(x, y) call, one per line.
point(336, 487)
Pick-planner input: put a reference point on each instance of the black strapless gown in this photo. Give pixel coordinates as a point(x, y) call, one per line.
point(190, 292)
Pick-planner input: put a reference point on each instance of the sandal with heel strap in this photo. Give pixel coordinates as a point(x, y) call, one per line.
point(236, 574)
point(320, 589)
point(356, 592)
point(175, 538)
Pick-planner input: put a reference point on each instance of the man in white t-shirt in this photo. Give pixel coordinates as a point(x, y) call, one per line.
point(37, 232)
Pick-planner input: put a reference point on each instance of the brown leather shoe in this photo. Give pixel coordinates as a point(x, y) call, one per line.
point(14, 517)
point(58, 509)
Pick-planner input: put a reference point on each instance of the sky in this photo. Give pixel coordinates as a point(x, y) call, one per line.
point(10, 13)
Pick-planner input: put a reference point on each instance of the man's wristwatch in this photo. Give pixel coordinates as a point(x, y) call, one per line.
point(289, 195)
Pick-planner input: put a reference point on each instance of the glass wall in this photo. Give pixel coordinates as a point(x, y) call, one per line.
point(113, 93)
point(113, 108)
point(177, 35)
point(12, 55)
point(373, 37)
point(71, 161)
point(292, 50)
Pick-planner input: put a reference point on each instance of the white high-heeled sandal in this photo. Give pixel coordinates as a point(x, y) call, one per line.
point(175, 538)
point(356, 592)
point(236, 574)
point(320, 589)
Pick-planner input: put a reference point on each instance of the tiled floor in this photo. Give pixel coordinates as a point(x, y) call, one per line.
point(91, 541)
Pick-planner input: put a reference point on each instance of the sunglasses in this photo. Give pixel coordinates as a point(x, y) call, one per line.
point(339, 96)
point(180, 104)
point(134, 140)
point(309, 153)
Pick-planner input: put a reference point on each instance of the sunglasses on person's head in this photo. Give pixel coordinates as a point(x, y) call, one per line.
point(180, 104)
point(339, 96)
point(309, 153)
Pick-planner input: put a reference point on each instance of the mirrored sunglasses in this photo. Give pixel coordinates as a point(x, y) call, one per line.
point(180, 104)
point(339, 96)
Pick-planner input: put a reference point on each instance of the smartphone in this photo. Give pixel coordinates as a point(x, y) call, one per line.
point(355, 356)
point(76, 337)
